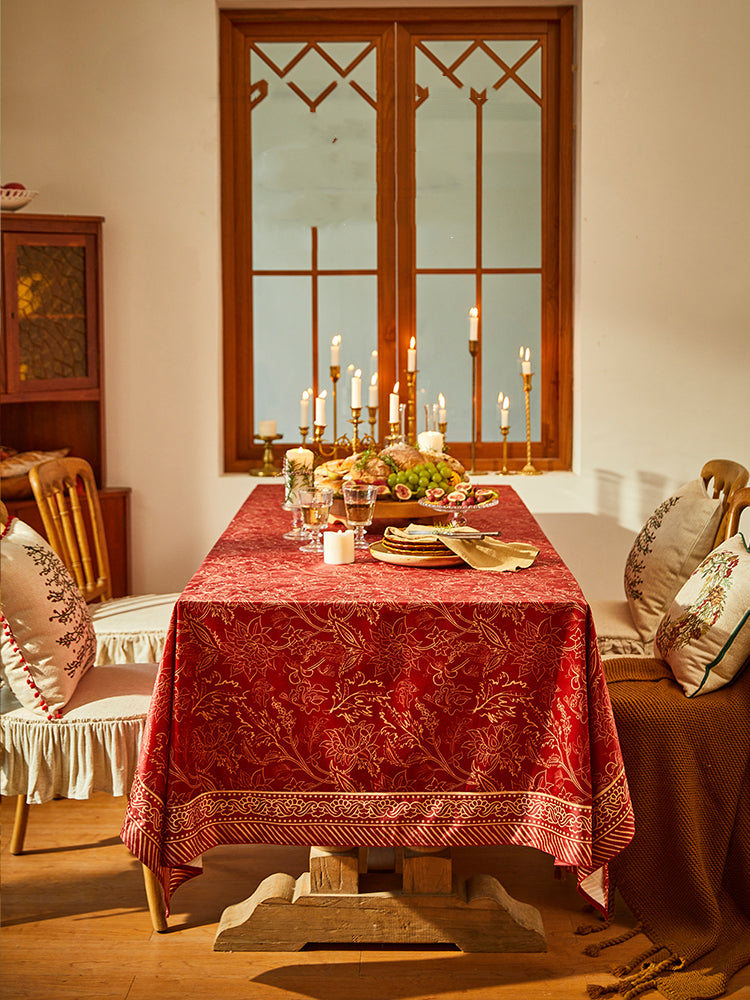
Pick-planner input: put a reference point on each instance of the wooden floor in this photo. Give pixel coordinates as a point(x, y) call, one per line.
point(75, 927)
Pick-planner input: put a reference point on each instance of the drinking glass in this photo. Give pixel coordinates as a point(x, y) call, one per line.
point(359, 500)
point(315, 505)
point(293, 479)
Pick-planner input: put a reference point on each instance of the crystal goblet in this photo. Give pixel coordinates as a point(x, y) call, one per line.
point(315, 505)
point(295, 477)
point(359, 501)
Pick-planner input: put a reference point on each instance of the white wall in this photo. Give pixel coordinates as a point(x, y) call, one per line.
point(112, 109)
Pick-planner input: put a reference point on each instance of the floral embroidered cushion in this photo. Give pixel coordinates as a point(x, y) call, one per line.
point(672, 542)
point(48, 640)
point(705, 635)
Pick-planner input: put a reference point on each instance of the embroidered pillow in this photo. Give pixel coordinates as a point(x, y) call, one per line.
point(48, 640)
point(677, 536)
point(705, 635)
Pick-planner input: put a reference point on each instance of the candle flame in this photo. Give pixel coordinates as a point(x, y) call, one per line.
point(506, 403)
point(336, 340)
point(374, 379)
point(528, 353)
point(358, 373)
point(305, 394)
point(374, 354)
point(520, 353)
point(323, 394)
point(413, 343)
point(473, 311)
point(500, 399)
point(441, 401)
point(395, 389)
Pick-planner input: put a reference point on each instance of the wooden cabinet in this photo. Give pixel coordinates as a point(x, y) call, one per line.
point(51, 376)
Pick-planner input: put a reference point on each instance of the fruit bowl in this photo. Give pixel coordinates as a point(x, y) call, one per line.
point(466, 499)
point(11, 199)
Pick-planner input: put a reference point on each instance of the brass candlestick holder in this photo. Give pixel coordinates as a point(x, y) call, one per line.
point(443, 428)
point(474, 351)
point(353, 445)
point(411, 408)
point(335, 374)
point(504, 431)
point(303, 432)
point(372, 416)
point(394, 433)
point(355, 422)
point(528, 469)
point(268, 468)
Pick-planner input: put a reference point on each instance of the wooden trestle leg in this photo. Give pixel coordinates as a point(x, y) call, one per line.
point(349, 898)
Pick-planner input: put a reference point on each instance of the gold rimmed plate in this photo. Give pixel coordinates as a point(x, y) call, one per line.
point(378, 551)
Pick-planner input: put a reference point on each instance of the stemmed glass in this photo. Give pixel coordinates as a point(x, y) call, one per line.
point(359, 500)
point(316, 506)
point(294, 477)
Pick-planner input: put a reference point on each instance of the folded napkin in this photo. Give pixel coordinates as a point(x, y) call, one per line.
point(480, 553)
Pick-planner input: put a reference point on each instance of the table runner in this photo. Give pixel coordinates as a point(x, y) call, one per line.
point(378, 705)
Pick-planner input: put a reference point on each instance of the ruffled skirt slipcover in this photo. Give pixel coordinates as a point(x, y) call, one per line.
point(132, 629)
point(94, 747)
point(616, 635)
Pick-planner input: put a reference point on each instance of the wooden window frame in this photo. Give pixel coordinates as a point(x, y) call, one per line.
point(396, 292)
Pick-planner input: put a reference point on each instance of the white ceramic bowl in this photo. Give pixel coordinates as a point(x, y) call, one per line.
point(12, 199)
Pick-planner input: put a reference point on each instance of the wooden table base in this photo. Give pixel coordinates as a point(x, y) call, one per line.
point(347, 898)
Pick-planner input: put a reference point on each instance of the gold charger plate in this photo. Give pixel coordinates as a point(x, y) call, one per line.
point(377, 551)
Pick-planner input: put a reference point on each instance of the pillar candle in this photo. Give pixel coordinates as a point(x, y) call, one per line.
point(372, 399)
point(320, 409)
point(526, 363)
point(266, 428)
point(474, 324)
point(504, 412)
point(304, 409)
point(338, 547)
point(393, 405)
point(442, 413)
point(357, 389)
point(411, 356)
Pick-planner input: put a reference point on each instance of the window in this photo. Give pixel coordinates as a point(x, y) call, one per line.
point(381, 175)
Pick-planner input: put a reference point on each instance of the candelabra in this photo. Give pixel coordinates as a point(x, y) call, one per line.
point(411, 410)
point(268, 468)
point(335, 373)
point(353, 445)
point(528, 469)
point(303, 433)
point(504, 432)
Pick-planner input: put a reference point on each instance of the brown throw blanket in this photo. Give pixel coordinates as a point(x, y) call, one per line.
point(685, 875)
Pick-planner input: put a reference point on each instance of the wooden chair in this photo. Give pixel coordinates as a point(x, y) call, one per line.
point(128, 629)
point(616, 632)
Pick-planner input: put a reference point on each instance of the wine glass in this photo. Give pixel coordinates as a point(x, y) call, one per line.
point(315, 504)
point(294, 477)
point(359, 500)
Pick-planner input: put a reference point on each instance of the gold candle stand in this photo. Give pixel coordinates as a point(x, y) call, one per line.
point(268, 468)
point(411, 408)
point(504, 431)
point(372, 416)
point(335, 373)
point(394, 433)
point(474, 351)
point(528, 469)
point(355, 422)
point(443, 427)
point(303, 431)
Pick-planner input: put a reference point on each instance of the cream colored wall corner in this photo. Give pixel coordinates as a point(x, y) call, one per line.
point(120, 119)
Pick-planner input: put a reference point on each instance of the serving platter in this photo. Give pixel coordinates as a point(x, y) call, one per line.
point(393, 510)
point(378, 551)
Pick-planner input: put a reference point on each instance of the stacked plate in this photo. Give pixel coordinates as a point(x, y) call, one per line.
point(402, 551)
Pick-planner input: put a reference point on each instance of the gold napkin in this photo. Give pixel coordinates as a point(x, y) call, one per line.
point(480, 553)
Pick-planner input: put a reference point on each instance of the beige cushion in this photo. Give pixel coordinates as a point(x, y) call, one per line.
point(93, 747)
point(616, 635)
point(48, 640)
point(132, 629)
point(705, 635)
point(677, 536)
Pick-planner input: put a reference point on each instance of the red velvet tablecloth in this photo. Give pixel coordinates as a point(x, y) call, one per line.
point(372, 704)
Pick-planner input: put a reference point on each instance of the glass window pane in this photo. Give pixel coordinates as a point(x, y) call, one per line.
point(511, 318)
point(348, 307)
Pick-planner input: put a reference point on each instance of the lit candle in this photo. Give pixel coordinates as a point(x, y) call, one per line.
point(442, 413)
point(304, 409)
point(520, 355)
point(411, 356)
point(474, 324)
point(320, 409)
point(526, 363)
point(266, 428)
point(372, 399)
point(504, 412)
point(357, 389)
point(335, 344)
point(393, 405)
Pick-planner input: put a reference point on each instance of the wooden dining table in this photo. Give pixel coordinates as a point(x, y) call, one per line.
point(379, 714)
